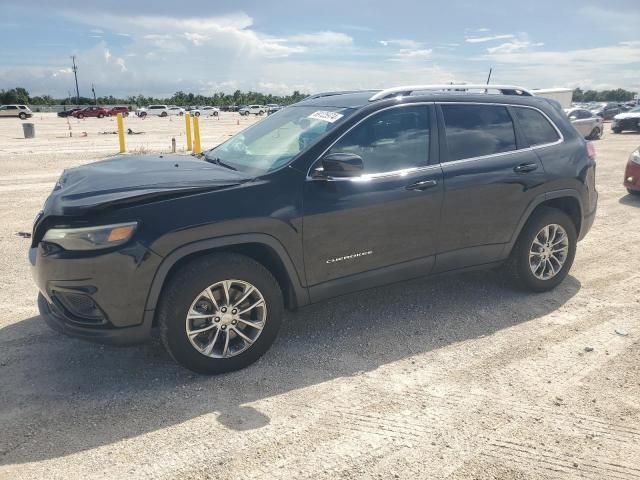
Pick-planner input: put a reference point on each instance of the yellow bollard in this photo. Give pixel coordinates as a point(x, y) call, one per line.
point(197, 149)
point(187, 121)
point(123, 147)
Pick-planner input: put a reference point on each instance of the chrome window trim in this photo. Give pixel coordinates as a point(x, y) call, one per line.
point(371, 176)
point(530, 148)
point(375, 176)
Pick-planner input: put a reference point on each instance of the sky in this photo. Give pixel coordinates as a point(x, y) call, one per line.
point(205, 46)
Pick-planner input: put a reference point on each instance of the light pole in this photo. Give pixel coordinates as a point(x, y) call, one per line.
point(95, 102)
point(75, 73)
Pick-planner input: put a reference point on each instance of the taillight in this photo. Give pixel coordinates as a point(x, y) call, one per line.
point(591, 151)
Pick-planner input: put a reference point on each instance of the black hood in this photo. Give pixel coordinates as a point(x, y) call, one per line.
point(135, 179)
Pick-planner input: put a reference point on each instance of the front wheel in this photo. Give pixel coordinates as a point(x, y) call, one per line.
point(22, 116)
point(220, 313)
point(80, 116)
point(544, 252)
point(100, 115)
point(164, 114)
point(197, 114)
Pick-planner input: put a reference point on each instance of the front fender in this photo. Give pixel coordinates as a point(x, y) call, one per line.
point(301, 294)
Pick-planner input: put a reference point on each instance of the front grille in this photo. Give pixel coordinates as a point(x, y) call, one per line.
point(78, 307)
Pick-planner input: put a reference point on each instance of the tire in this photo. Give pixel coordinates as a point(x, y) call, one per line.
point(184, 289)
point(22, 115)
point(595, 134)
point(518, 269)
point(215, 114)
point(80, 116)
point(100, 115)
point(197, 114)
point(164, 114)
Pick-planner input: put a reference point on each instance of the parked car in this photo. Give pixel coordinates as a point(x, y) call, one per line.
point(632, 173)
point(116, 110)
point(587, 123)
point(173, 110)
point(68, 113)
point(154, 110)
point(272, 108)
point(20, 111)
point(92, 111)
point(607, 111)
point(205, 111)
point(626, 121)
point(337, 193)
point(254, 109)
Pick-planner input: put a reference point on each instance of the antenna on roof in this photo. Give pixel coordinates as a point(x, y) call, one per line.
point(489, 77)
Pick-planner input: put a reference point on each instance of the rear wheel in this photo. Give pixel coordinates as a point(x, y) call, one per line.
point(197, 114)
point(220, 313)
point(100, 115)
point(164, 114)
point(595, 134)
point(80, 116)
point(544, 252)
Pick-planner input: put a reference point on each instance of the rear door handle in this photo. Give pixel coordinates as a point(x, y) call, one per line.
point(423, 185)
point(525, 167)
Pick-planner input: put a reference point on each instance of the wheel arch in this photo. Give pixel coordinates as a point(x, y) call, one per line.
point(262, 248)
point(567, 201)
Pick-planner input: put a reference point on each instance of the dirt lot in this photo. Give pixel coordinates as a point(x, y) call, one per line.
point(454, 377)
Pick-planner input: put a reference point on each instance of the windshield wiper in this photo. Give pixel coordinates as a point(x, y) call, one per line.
point(217, 161)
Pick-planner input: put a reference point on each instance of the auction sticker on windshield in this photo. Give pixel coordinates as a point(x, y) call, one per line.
point(326, 116)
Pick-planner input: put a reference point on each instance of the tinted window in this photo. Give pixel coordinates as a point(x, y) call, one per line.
point(394, 139)
point(12, 107)
point(477, 130)
point(535, 127)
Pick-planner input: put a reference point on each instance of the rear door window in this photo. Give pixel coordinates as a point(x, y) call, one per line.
point(477, 130)
point(535, 126)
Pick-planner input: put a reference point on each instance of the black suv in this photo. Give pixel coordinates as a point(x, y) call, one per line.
point(340, 192)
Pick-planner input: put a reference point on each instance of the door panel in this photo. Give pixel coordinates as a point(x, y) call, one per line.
point(373, 223)
point(390, 213)
point(484, 196)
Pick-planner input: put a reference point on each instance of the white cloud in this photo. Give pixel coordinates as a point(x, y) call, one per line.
point(402, 43)
point(488, 38)
point(514, 46)
point(97, 30)
point(325, 39)
point(406, 54)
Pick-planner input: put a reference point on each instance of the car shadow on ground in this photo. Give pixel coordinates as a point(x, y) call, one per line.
point(630, 199)
point(60, 395)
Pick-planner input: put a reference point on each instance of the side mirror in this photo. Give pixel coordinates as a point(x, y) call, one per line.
point(342, 165)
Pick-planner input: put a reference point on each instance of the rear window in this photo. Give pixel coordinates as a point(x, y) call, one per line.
point(535, 126)
point(477, 130)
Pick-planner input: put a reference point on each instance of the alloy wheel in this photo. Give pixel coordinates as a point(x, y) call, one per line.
point(548, 251)
point(226, 318)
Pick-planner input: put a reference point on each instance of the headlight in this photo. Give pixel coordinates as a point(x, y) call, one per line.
point(635, 157)
point(91, 238)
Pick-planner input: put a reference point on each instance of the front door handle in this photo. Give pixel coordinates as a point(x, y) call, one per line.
point(525, 167)
point(423, 185)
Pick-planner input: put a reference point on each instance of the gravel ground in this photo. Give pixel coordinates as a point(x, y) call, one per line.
point(454, 377)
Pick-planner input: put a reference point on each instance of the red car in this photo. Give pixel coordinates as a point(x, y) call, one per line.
point(116, 110)
point(632, 173)
point(90, 112)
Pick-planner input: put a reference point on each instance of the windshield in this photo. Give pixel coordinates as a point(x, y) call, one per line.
point(276, 140)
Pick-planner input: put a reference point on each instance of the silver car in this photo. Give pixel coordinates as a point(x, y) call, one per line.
point(587, 123)
point(21, 111)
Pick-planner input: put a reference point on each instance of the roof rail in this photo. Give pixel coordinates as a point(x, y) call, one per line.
point(408, 89)
point(331, 94)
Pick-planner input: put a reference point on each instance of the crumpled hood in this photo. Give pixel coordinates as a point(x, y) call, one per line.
point(135, 179)
point(622, 116)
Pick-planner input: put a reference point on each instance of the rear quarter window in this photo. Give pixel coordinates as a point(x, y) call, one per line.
point(535, 126)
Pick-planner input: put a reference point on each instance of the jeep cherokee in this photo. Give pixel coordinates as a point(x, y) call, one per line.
point(340, 192)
